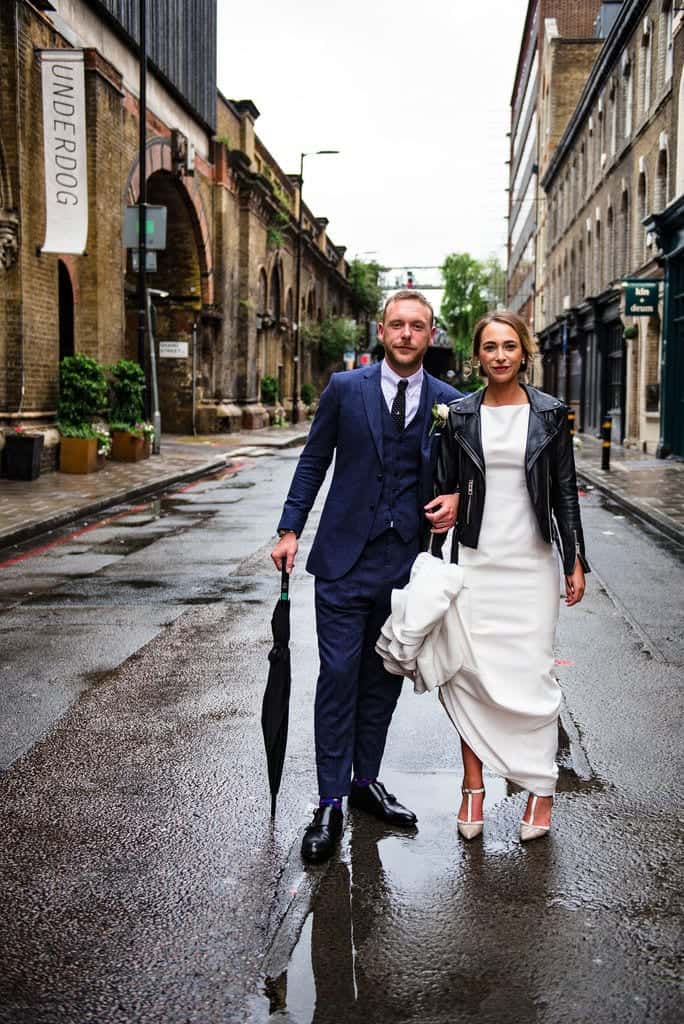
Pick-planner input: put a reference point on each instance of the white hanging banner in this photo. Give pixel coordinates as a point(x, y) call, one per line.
point(64, 139)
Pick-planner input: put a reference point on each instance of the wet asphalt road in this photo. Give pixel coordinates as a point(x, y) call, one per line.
point(143, 881)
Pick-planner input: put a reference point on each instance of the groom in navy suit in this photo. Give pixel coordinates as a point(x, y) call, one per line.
point(378, 515)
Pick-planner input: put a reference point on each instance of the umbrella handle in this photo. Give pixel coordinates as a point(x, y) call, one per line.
point(284, 581)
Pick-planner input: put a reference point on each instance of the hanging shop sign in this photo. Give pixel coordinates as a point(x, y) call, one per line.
point(641, 298)
point(64, 142)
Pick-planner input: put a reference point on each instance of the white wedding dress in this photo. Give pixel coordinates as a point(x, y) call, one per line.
point(507, 711)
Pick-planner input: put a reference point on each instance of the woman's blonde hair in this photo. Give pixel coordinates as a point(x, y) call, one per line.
point(505, 316)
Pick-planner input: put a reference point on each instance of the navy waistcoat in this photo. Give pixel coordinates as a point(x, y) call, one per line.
point(398, 505)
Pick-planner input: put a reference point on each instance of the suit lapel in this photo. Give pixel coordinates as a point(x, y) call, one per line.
point(372, 401)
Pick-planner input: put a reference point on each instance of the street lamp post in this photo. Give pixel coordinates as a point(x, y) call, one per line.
point(297, 358)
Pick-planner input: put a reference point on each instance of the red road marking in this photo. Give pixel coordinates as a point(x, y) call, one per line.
point(229, 471)
point(563, 661)
point(70, 536)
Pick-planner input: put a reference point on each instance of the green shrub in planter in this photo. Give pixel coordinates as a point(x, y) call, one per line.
point(127, 389)
point(308, 393)
point(269, 390)
point(82, 390)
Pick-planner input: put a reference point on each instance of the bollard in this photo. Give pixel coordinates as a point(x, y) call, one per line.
point(571, 422)
point(606, 429)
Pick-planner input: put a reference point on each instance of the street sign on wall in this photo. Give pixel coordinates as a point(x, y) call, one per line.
point(641, 298)
point(173, 350)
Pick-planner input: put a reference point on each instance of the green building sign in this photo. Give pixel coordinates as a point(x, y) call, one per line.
point(641, 298)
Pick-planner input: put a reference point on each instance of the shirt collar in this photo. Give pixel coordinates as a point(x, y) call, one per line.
point(388, 374)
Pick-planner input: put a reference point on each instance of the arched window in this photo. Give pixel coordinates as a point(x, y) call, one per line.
point(588, 274)
point(66, 310)
point(639, 229)
point(645, 62)
point(275, 294)
point(660, 194)
point(680, 137)
point(627, 98)
point(610, 247)
point(666, 38)
point(598, 257)
point(613, 119)
point(289, 308)
point(261, 295)
point(624, 233)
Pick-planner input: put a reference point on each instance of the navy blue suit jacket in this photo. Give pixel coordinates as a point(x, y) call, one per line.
point(348, 424)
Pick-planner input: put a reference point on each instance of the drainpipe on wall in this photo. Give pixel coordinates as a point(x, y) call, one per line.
point(18, 205)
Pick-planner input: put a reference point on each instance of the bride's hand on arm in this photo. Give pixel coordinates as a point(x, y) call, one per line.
point(574, 586)
point(441, 512)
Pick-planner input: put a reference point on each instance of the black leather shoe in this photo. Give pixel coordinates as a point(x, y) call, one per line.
point(375, 799)
point(322, 835)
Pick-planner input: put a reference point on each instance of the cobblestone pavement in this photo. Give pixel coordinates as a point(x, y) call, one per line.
point(31, 507)
point(651, 488)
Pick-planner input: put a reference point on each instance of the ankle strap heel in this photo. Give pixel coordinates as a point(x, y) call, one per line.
point(470, 829)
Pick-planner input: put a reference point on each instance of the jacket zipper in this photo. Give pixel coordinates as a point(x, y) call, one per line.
point(470, 498)
point(466, 447)
point(540, 449)
point(548, 504)
point(577, 547)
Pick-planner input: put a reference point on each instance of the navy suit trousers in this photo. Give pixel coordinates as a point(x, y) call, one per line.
point(355, 695)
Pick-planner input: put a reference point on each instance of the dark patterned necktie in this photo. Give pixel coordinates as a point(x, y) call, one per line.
point(398, 410)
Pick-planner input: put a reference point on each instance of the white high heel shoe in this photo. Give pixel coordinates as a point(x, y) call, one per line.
point(528, 830)
point(470, 829)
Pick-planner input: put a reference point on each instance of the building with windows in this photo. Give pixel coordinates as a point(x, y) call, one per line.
point(228, 268)
point(570, 20)
point(611, 169)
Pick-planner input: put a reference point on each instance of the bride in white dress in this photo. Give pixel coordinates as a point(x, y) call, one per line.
point(508, 451)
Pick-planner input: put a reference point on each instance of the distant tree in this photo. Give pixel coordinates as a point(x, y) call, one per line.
point(496, 282)
point(465, 299)
point(365, 287)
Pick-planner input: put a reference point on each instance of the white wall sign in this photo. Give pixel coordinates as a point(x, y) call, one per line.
point(64, 140)
point(173, 350)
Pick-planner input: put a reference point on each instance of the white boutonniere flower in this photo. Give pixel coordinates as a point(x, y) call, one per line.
point(440, 415)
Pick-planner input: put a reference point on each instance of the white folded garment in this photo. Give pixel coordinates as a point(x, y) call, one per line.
point(425, 636)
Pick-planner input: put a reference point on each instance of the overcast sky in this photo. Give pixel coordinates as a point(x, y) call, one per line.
point(414, 94)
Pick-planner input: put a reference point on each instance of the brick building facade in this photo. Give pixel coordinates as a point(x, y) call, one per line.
point(228, 266)
point(612, 167)
point(569, 19)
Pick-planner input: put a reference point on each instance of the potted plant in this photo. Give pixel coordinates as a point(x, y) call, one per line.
point(131, 441)
point(82, 396)
point(131, 435)
point(21, 454)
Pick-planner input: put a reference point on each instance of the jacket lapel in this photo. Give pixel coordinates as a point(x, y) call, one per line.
point(371, 392)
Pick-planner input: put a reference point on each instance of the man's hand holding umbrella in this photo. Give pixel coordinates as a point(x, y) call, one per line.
point(286, 548)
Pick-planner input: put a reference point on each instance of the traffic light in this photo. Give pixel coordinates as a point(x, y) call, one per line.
point(409, 279)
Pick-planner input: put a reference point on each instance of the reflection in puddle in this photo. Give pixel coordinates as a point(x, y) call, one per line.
point(390, 908)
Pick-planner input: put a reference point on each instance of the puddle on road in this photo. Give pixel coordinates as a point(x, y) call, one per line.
point(387, 884)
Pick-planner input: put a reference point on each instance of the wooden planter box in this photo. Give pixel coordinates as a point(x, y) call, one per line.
point(128, 447)
point(78, 455)
point(21, 456)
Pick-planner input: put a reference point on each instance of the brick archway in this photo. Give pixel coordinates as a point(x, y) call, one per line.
point(158, 158)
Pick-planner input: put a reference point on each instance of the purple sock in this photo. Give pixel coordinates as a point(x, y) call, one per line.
point(331, 801)
point(363, 782)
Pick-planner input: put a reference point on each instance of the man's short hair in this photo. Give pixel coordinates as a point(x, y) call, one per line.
point(408, 293)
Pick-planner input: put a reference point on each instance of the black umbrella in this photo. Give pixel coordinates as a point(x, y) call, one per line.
point(274, 711)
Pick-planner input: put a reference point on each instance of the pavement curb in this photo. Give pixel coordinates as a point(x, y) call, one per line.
point(54, 522)
point(650, 516)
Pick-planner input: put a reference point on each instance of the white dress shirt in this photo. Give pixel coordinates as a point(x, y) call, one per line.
point(389, 381)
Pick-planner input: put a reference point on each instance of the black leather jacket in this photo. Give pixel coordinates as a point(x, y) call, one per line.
point(549, 470)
